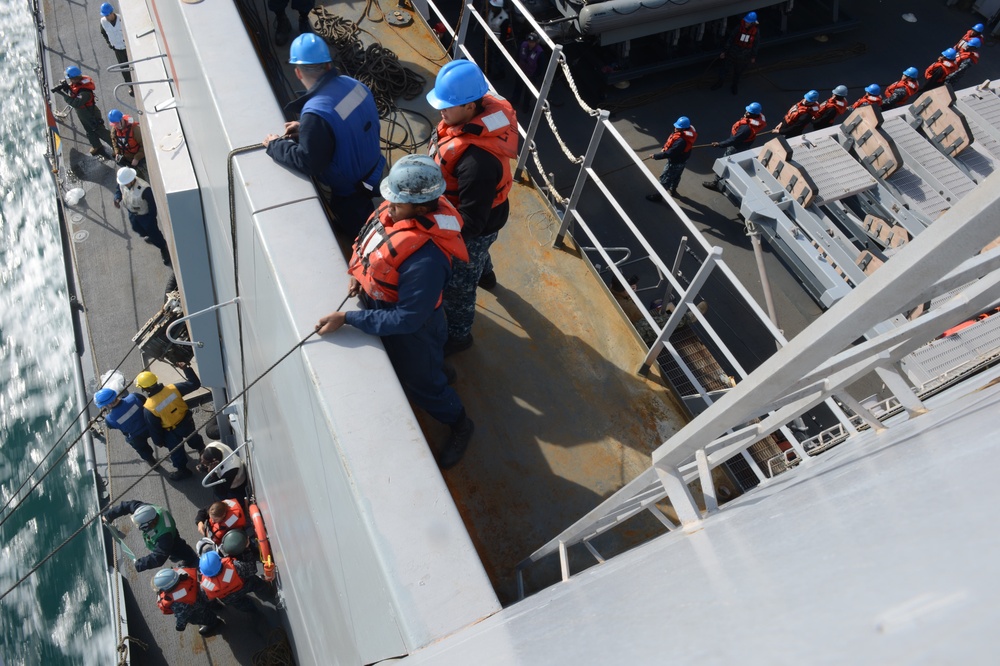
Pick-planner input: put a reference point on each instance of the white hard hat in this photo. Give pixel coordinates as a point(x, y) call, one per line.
point(496, 3)
point(126, 175)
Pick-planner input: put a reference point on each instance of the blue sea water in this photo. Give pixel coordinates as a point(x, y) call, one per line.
point(61, 614)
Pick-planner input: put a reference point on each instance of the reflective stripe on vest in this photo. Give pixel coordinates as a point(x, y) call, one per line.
point(129, 414)
point(383, 245)
point(86, 83)
point(124, 136)
point(349, 109)
point(495, 131)
point(169, 407)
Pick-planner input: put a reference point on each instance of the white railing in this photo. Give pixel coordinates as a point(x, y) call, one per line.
point(819, 362)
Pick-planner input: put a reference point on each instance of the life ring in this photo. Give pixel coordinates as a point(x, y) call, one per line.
point(270, 571)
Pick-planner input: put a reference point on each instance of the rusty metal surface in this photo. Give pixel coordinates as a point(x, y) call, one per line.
point(562, 418)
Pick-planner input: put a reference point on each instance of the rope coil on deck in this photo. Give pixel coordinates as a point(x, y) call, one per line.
point(374, 65)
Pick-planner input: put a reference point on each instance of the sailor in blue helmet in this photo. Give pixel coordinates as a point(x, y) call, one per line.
point(473, 144)
point(676, 151)
point(125, 414)
point(282, 27)
point(899, 93)
point(401, 263)
point(740, 51)
point(967, 56)
point(79, 92)
point(975, 32)
point(336, 139)
point(800, 115)
point(939, 70)
point(832, 108)
point(741, 137)
point(113, 30)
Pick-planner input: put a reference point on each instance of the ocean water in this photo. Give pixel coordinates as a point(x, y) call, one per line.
point(61, 614)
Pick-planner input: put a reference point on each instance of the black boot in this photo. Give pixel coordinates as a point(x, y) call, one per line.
point(304, 25)
point(488, 280)
point(282, 29)
point(458, 442)
point(211, 629)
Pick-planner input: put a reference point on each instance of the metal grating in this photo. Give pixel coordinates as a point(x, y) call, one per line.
point(987, 105)
point(984, 139)
point(923, 151)
point(916, 193)
point(942, 360)
point(834, 171)
point(977, 160)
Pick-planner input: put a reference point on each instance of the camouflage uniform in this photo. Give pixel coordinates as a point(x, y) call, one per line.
point(460, 292)
point(251, 583)
point(670, 177)
point(196, 613)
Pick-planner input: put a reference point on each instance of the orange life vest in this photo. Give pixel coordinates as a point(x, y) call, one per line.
point(801, 108)
point(837, 104)
point(910, 86)
point(947, 66)
point(966, 54)
point(125, 136)
point(185, 592)
point(494, 130)
point(755, 123)
point(85, 83)
point(383, 245)
point(234, 519)
point(868, 100)
point(224, 583)
point(747, 35)
point(688, 136)
point(966, 37)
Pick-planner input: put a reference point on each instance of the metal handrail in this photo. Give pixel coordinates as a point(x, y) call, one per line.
point(187, 343)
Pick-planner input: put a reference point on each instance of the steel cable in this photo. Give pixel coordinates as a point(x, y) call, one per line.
point(87, 523)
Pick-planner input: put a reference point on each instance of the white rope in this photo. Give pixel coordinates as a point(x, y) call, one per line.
point(555, 132)
point(572, 86)
point(554, 194)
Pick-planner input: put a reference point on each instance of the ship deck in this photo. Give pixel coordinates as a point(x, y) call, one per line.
point(562, 419)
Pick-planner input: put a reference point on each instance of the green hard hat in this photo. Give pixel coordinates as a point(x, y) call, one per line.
point(235, 542)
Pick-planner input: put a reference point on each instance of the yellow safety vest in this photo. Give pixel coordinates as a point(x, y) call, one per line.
point(168, 405)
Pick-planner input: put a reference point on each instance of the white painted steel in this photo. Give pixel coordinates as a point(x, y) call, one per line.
point(374, 559)
point(904, 575)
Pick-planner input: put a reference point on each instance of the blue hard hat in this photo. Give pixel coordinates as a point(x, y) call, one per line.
point(210, 563)
point(104, 397)
point(459, 82)
point(911, 72)
point(107, 9)
point(873, 89)
point(309, 49)
point(949, 53)
point(115, 116)
point(840, 91)
point(975, 42)
point(73, 71)
point(683, 122)
point(751, 17)
point(979, 27)
point(811, 96)
point(754, 108)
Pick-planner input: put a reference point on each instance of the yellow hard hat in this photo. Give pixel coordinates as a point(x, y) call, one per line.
point(146, 379)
